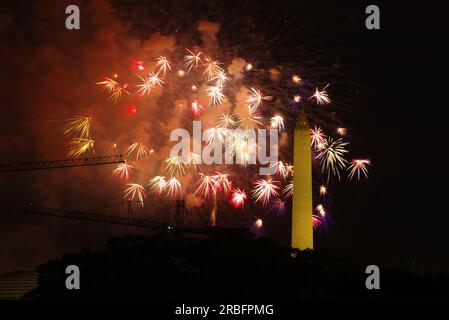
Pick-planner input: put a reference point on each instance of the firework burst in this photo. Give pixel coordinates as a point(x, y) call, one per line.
point(256, 98)
point(163, 64)
point(321, 96)
point(134, 190)
point(79, 146)
point(216, 96)
point(238, 198)
point(123, 170)
point(78, 126)
point(277, 122)
point(157, 185)
point(192, 60)
point(264, 190)
point(358, 167)
point(173, 187)
point(332, 157)
point(139, 149)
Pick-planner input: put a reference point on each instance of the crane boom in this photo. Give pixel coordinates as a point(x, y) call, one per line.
point(95, 217)
point(66, 163)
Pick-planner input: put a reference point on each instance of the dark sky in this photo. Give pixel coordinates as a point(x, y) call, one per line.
point(398, 103)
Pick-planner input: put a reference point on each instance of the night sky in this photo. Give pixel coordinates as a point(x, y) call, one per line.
point(390, 78)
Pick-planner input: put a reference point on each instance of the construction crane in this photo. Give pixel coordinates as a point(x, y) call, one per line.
point(95, 217)
point(55, 164)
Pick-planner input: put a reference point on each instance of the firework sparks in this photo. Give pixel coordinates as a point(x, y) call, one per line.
point(277, 122)
point(279, 206)
point(213, 135)
point(192, 59)
point(264, 190)
point(222, 182)
point(123, 170)
point(108, 84)
point(297, 79)
point(173, 187)
point(321, 96)
point(79, 146)
point(139, 148)
point(216, 96)
point(212, 68)
point(220, 78)
point(134, 190)
point(358, 166)
point(297, 98)
point(255, 99)
point(317, 136)
point(288, 190)
point(320, 210)
point(238, 198)
point(157, 185)
point(226, 121)
point(282, 169)
point(342, 131)
point(323, 190)
point(206, 186)
point(196, 108)
point(148, 83)
point(176, 166)
point(258, 224)
point(332, 157)
point(79, 126)
point(118, 92)
point(316, 222)
point(163, 64)
point(248, 67)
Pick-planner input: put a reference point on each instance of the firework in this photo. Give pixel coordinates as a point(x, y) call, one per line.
point(358, 166)
point(79, 126)
point(282, 169)
point(248, 66)
point(279, 206)
point(216, 96)
point(206, 186)
point(118, 92)
point(323, 190)
point(194, 161)
point(320, 210)
point(238, 198)
point(264, 190)
point(139, 148)
point(173, 187)
point(196, 108)
point(253, 120)
point(176, 166)
point(317, 137)
point(192, 59)
point(213, 135)
point(157, 184)
point(332, 157)
point(212, 68)
point(297, 79)
point(79, 146)
point(108, 84)
point(222, 182)
point(316, 222)
point(297, 98)
point(277, 122)
point(148, 83)
point(163, 64)
point(220, 78)
point(288, 190)
point(258, 224)
point(342, 131)
point(321, 96)
point(123, 170)
point(226, 121)
point(255, 99)
point(134, 190)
